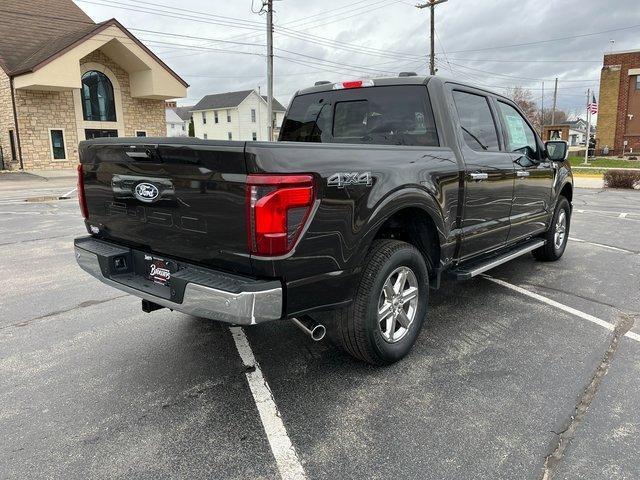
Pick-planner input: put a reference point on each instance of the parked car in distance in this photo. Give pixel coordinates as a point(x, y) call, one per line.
point(374, 191)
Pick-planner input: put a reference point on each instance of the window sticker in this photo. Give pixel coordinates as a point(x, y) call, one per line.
point(517, 134)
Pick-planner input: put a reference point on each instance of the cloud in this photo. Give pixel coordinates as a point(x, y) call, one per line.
point(362, 34)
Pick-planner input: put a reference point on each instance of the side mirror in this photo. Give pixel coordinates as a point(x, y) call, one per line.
point(557, 150)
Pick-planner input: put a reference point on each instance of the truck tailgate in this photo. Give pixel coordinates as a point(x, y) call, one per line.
point(184, 199)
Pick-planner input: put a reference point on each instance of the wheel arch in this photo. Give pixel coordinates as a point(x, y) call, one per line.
point(413, 216)
point(567, 192)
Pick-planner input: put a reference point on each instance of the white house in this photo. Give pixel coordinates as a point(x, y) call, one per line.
point(176, 126)
point(235, 116)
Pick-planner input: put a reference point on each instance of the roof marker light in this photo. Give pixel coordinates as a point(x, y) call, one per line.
point(353, 84)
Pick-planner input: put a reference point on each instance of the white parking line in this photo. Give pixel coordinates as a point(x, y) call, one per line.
point(553, 303)
point(68, 193)
point(609, 247)
point(285, 454)
point(605, 212)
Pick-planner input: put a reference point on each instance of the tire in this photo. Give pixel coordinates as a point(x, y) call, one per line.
point(357, 328)
point(557, 235)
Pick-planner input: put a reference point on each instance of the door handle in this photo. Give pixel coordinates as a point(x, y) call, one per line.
point(478, 177)
point(522, 173)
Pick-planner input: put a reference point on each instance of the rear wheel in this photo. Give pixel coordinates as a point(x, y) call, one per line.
point(557, 235)
point(382, 324)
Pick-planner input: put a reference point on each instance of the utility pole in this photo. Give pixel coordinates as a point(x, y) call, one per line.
point(586, 144)
point(432, 58)
point(542, 112)
point(270, 69)
point(555, 97)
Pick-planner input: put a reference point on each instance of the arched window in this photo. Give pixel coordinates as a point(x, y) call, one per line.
point(98, 104)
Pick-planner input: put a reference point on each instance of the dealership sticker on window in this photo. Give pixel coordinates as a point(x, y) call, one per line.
point(517, 135)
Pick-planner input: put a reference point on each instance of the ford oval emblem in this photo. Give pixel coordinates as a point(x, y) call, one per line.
point(146, 192)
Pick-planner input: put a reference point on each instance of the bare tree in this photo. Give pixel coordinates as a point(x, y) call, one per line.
point(525, 100)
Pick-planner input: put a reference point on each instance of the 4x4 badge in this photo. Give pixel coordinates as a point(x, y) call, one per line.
point(342, 179)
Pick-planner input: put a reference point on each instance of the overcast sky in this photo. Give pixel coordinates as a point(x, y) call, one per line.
point(345, 39)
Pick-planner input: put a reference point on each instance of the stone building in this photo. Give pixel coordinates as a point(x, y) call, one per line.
point(65, 78)
point(619, 107)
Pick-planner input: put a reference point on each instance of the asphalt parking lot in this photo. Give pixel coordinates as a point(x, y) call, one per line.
point(531, 373)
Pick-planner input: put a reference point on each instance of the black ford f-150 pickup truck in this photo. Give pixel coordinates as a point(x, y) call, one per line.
point(374, 191)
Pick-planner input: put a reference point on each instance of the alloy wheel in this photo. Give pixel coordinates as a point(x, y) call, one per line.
point(398, 304)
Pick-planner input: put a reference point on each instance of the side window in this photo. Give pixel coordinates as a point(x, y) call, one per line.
point(478, 128)
point(520, 137)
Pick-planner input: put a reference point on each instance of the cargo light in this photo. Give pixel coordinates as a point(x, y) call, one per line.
point(353, 84)
point(82, 199)
point(278, 208)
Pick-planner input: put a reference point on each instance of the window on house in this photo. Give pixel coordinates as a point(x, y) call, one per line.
point(254, 136)
point(142, 133)
point(12, 143)
point(57, 145)
point(204, 118)
point(230, 136)
point(215, 116)
point(183, 127)
point(98, 104)
point(204, 135)
point(173, 126)
point(253, 116)
point(228, 116)
point(637, 82)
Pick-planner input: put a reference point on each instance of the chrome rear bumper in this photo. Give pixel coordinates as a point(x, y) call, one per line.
point(260, 302)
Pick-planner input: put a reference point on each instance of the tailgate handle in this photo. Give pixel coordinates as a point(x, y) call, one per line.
point(146, 154)
point(149, 153)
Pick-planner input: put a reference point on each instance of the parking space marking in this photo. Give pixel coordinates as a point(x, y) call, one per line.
point(66, 195)
point(623, 215)
point(565, 308)
point(609, 247)
point(285, 454)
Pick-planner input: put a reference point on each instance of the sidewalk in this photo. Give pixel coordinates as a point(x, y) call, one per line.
point(580, 181)
point(54, 174)
point(35, 175)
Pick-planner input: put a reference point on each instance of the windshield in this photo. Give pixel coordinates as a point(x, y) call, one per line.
point(394, 115)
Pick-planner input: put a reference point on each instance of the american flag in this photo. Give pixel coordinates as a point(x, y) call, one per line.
point(592, 106)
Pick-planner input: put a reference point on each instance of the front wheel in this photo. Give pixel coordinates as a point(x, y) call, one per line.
point(382, 324)
point(557, 235)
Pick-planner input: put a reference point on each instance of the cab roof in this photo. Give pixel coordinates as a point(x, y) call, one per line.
point(388, 81)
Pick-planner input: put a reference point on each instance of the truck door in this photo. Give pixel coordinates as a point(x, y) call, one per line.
point(489, 174)
point(534, 177)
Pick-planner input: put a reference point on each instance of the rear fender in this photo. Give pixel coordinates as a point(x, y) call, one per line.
point(395, 202)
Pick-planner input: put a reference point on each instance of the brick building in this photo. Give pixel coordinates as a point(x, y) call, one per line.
point(619, 107)
point(65, 78)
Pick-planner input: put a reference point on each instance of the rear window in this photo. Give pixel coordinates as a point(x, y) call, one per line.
point(394, 115)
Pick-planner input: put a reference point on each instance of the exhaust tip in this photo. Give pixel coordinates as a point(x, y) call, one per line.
point(318, 332)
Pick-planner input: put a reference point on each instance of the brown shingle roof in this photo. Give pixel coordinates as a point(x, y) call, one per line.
point(36, 37)
point(28, 26)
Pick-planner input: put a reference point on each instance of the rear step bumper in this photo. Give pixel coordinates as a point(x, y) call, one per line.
point(191, 289)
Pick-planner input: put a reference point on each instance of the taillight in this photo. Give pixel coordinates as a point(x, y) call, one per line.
point(81, 198)
point(278, 207)
point(353, 84)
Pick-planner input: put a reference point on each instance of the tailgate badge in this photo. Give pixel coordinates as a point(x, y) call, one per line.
point(146, 192)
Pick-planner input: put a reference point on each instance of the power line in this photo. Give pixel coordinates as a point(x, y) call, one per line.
point(569, 37)
point(559, 60)
point(324, 12)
